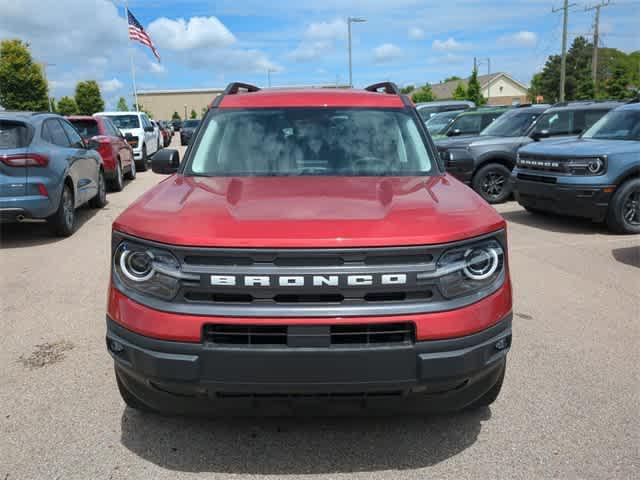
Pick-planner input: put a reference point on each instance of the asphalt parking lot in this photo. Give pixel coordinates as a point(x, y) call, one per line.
point(569, 407)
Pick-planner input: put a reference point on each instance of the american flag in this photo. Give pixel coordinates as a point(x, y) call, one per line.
point(136, 32)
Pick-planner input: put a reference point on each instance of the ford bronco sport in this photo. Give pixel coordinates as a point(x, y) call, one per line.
point(309, 246)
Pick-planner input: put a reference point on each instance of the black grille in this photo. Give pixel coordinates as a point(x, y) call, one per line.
point(376, 334)
point(537, 178)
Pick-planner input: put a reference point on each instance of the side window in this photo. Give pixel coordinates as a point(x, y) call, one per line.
point(110, 127)
point(487, 120)
point(591, 117)
point(145, 121)
point(52, 132)
point(468, 124)
point(72, 133)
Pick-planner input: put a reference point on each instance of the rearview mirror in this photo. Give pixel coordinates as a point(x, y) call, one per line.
point(165, 162)
point(537, 136)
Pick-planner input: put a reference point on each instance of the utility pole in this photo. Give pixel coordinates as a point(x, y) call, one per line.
point(351, 20)
point(563, 60)
point(596, 42)
point(487, 60)
point(44, 66)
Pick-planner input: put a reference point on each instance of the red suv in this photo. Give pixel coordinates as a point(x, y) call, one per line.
point(310, 244)
point(107, 139)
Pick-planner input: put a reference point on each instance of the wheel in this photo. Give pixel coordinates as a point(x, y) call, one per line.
point(491, 396)
point(100, 200)
point(63, 221)
point(492, 183)
point(129, 398)
point(117, 184)
point(159, 146)
point(145, 159)
point(624, 209)
point(131, 174)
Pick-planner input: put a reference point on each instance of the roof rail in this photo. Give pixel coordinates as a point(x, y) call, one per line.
point(387, 87)
point(235, 87)
point(636, 99)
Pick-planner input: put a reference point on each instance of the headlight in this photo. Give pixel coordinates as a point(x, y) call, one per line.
point(587, 166)
point(148, 270)
point(471, 269)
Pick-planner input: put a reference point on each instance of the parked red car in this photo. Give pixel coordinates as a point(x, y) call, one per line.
point(116, 153)
point(310, 246)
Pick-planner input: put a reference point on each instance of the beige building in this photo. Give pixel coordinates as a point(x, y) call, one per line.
point(162, 103)
point(500, 88)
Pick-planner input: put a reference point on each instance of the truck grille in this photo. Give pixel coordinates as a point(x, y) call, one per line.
point(371, 334)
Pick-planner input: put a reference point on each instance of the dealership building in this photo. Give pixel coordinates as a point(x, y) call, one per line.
point(163, 103)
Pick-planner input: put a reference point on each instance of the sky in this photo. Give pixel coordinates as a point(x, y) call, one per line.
point(206, 44)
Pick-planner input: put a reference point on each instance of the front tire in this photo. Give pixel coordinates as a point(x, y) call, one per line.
point(145, 159)
point(100, 200)
point(491, 182)
point(624, 210)
point(63, 221)
point(129, 398)
point(117, 184)
point(131, 175)
point(492, 394)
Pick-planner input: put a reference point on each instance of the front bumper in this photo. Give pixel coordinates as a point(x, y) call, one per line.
point(548, 193)
point(200, 377)
point(460, 164)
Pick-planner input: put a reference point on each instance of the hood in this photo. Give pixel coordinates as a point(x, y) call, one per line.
point(580, 147)
point(308, 212)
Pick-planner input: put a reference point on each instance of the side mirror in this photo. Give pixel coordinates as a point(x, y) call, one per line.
point(537, 136)
point(445, 157)
point(165, 162)
point(149, 128)
point(454, 133)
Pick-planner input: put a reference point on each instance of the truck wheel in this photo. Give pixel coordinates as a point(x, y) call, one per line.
point(130, 399)
point(145, 159)
point(63, 221)
point(100, 200)
point(117, 184)
point(131, 174)
point(491, 396)
point(624, 210)
point(492, 183)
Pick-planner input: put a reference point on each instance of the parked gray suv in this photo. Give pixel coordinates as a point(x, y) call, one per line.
point(46, 170)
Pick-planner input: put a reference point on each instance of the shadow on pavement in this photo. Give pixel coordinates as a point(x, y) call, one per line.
point(555, 223)
point(38, 232)
point(288, 446)
point(628, 256)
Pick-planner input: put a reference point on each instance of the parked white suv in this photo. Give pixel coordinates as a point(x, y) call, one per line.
point(139, 133)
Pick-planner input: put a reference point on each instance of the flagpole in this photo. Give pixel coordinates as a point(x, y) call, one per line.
point(133, 67)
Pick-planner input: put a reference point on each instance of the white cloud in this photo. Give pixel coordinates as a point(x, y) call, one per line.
point(415, 33)
point(387, 52)
point(111, 85)
point(334, 30)
point(449, 45)
point(197, 32)
point(155, 67)
point(520, 39)
point(307, 51)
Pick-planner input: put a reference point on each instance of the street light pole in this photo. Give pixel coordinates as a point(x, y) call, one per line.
point(488, 61)
point(351, 20)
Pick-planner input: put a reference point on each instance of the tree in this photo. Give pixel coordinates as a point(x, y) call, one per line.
point(451, 78)
point(22, 82)
point(175, 116)
point(585, 89)
point(423, 95)
point(122, 105)
point(88, 98)
point(193, 114)
point(204, 111)
point(407, 89)
point(460, 93)
point(67, 106)
point(617, 86)
point(474, 92)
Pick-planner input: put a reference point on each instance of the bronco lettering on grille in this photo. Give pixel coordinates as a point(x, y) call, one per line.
point(307, 280)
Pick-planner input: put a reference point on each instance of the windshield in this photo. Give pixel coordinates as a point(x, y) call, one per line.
point(510, 124)
point(616, 125)
point(439, 122)
point(310, 141)
point(125, 121)
point(87, 128)
point(191, 123)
